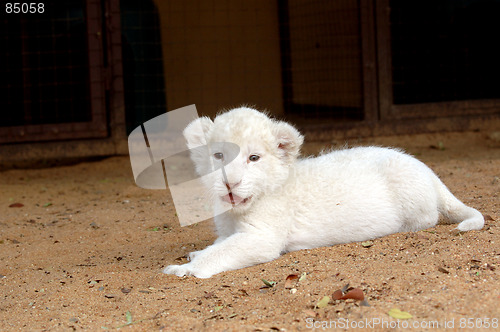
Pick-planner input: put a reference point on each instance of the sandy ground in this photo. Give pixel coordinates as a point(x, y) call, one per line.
point(86, 248)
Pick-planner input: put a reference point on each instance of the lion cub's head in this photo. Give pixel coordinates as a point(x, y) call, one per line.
point(243, 154)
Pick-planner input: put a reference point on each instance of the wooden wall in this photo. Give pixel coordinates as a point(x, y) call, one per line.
point(221, 54)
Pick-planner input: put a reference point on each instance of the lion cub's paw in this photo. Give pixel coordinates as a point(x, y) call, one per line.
point(178, 270)
point(186, 270)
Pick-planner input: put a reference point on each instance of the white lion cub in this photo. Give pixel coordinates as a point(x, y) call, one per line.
point(281, 203)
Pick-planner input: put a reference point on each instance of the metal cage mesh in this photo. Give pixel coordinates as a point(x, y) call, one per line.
point(321, 45)
point(44, 66)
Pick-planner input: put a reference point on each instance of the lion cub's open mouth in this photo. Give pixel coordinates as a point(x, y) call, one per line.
point(235, 199)
point(232, 198)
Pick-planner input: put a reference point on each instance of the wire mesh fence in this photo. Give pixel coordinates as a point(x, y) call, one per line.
point(322, 58)
point(142, 62)
point(44, 66)
point(52, 73)
point(298, 58)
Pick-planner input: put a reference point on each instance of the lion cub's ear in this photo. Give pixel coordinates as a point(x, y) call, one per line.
point(288, 140)
point(197, 131)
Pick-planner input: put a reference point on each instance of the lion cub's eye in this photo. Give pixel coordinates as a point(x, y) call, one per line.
point(254, 157)
point(218, 155)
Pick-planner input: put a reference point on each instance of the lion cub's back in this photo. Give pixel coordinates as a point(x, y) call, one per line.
point(356, 164)
point(346, 196)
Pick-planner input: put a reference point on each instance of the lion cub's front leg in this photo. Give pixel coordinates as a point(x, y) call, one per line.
point(235, 252)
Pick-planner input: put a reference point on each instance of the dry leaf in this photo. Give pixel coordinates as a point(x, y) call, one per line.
point(354, 294)
point(337, 295)
point(128, 316)
point(323, 302)
point(290, 281)
point(367, 244)
point(16, 205)
point(268, 283)
point(398, 314)
point(443, 270)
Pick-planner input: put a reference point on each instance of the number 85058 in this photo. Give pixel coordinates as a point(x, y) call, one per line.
point(24, 7)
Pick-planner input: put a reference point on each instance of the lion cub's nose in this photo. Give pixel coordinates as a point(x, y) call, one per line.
point(233, 185)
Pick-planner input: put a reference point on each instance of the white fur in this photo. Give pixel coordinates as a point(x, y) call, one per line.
point(344, 196)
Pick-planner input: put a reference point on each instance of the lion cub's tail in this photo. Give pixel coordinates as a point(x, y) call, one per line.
point(457, 212)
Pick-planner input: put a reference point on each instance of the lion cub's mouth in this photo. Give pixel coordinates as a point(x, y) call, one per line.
point(235, 199)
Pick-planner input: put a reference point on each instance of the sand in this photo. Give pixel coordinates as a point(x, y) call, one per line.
point(85, 250)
